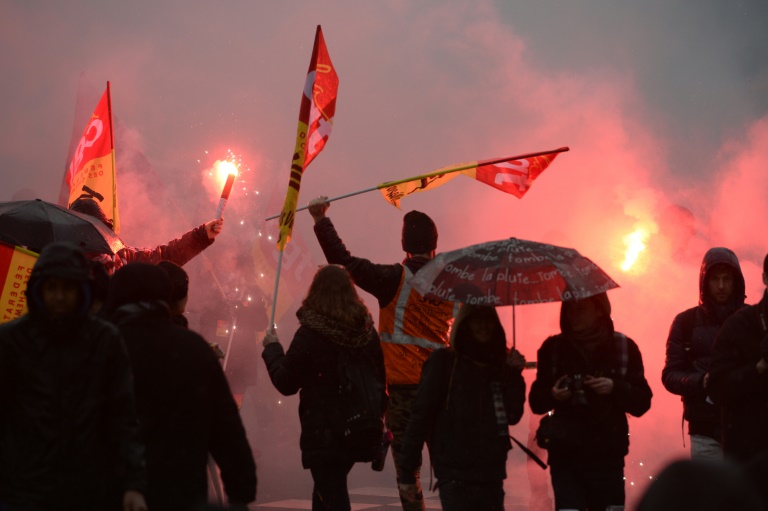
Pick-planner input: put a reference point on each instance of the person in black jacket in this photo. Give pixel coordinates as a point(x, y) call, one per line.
point(69, 435)
point(689, 348)
point(185, 406)
point(332, 318)
point(588, 378)
point(739, 379)
point(468, 396)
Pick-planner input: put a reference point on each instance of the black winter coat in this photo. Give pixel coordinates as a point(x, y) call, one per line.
point(598, 431)
point(736, 384)
point(690, 342)
point(310, 367)
point(68, 428)
point(186, 410)
point(454, 408)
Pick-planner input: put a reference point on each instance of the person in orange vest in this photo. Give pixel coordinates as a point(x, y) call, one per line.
point(410, 327)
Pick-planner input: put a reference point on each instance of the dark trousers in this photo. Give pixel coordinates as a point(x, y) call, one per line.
point(401, 398)
point(587, 488)
point(471, 496)
point(330, 492)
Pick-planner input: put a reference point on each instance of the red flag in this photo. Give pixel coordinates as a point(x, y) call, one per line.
point(91, 172)
point(318, 106)
point(511, 176)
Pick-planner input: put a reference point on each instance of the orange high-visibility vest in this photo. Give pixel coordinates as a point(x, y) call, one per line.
point(411, 327)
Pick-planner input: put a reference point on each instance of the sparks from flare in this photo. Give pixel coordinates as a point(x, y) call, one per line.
point(215, 175)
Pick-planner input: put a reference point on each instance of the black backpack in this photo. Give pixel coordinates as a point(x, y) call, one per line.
point(362, 394)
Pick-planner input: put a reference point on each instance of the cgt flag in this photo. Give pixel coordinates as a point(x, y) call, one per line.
point(513, 174)
point(15, 268)
point(91, 172)
point(318, 106)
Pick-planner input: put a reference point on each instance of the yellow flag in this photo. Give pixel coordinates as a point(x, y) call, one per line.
point(15, 268)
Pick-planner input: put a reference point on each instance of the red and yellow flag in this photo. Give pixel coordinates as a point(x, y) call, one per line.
point(15, 268)
point(91, 172)
point(318, 106)
point(513, 174)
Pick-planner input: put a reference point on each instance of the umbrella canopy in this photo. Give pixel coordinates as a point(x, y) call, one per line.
point(511, 272)
point(35, 223)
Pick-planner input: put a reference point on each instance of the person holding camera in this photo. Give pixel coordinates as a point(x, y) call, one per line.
point(738, 379)
point(588, 378)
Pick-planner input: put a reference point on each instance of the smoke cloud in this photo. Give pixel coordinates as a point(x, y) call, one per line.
point(664, 108)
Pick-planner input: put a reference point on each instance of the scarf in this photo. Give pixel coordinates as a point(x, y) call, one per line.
point(342, 334)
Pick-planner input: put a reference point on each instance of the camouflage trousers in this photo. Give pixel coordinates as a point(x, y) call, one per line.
point(401, 398)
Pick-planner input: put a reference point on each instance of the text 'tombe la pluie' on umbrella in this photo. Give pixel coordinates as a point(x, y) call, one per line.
point(511, 272)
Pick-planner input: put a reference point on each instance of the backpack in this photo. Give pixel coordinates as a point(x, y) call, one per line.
point(362, 393)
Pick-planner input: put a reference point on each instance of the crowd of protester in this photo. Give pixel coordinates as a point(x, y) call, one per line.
point(108, 401)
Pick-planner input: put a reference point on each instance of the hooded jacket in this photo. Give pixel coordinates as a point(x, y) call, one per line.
point(598, 430)
point(455, 408)
point(183, 399)
point(690, 343)
point(68, 427)
point(310, 367)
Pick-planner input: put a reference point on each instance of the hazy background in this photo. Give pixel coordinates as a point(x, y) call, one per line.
point(663, 104)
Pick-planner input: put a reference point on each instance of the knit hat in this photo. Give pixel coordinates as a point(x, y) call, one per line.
point(179, 279)
point(419, 233)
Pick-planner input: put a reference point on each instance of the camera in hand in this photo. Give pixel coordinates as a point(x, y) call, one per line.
point(575, 384)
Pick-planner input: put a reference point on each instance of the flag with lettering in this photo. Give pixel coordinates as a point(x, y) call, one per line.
point(512, 175)
point(91, 173)
point(318, 106)
point(15, 268)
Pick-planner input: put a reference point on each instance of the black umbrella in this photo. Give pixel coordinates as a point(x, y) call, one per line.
point(35, 223)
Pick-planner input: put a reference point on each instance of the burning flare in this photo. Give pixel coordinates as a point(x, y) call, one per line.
point(635, 242)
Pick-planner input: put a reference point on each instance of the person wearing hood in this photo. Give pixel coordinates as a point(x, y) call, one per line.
point(589, 377)
point(738, 379)
point(411, 327)
point(69, 434)
point(333, 319)
point(183, 399)
point(180, 250)
point(468, 396)
point(689, 348)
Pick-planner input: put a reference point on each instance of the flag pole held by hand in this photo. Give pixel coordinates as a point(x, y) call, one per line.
point(439, 172)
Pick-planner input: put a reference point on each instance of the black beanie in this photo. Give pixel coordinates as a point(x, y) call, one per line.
point(179, 279)
point(419, 233)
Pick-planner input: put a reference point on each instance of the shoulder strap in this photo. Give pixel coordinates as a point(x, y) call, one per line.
point(623, 351)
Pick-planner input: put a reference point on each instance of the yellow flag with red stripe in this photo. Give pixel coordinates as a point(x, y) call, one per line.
point(15, 269)
point(318, 106)
point(91, 172)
